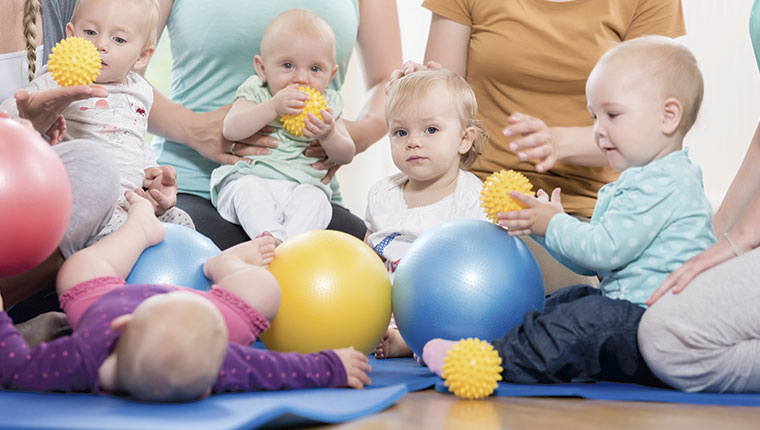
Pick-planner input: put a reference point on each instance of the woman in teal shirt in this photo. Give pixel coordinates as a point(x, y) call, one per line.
point(213, 45)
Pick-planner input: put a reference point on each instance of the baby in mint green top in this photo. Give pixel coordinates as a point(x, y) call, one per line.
point(280, 193)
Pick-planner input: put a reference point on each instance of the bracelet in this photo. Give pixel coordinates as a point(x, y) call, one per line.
point(737, 251)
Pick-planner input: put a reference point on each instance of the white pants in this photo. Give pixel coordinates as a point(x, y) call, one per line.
point(707, 338)
point(283, 208)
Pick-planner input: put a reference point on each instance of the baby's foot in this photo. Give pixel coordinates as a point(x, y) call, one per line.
point(277, 242)
point(142, 215)
point(266, 245)
point(434, 352)
point(392, 345)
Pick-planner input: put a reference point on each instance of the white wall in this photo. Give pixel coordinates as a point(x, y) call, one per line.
point(718, 36)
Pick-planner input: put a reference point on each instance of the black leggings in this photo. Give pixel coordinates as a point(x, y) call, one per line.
point(226, 234)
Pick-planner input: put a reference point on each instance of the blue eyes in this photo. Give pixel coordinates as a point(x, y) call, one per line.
point(400, 133)
point(431, 130)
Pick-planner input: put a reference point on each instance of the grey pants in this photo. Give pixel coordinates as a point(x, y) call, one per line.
point(707, 338)
point(94, 179)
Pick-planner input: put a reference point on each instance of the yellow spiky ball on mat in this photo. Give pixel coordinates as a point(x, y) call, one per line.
point(494, 195)
point(294, 123)
point(74, 61)
point(472, 369)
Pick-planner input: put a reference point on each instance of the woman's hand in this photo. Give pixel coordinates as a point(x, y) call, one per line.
point(409, 67)
point(211, 144)
point(44, 108)
point(680, 278)
point(315, 150)
point(537, 142)
point(159, 188)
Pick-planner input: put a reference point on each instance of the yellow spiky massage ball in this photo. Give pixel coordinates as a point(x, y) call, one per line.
point(294, 123)
point(472, 369)
point(74, 61)
point(494, 195)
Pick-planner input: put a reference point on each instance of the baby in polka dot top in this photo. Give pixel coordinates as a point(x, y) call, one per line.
point(162, 342)
point(644, 96)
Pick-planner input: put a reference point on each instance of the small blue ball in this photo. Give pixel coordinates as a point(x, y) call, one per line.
point(177, 260)
point(464, 278)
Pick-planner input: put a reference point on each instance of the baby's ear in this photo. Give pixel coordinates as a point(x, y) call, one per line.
point(144, 58)
point(672, 110)
point(69, 29)
point(258, 65)
point(468, 137)
point(120, 323)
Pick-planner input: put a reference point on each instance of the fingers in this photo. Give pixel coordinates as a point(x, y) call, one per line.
point(330, 173)
point(530, 201)
point(168, 175)
point(409, 67)
point(557, 195)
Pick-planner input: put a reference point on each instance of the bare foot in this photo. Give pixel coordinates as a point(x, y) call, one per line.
point(356, 366)
point(256, 252)
point(141, 213)
point(277, 242)
point(44, 328)
point(434, 352)
point(392, 345)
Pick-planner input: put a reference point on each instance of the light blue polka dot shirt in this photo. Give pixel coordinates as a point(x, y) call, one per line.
point(645, 225)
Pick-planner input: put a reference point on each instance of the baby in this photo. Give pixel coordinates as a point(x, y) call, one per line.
point(124, 33)
point(281, 193)
point(167, 343)
point(434, 136)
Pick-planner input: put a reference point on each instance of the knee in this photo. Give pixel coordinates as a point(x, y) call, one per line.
point(269, 294)
point(663, 343)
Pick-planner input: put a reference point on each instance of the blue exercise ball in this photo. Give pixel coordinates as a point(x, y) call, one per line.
point(464, 278)
point(177, 260)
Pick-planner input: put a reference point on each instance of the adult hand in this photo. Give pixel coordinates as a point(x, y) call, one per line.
point(43, 108)
point(537, 141)
point(680, 278)
point(159, 188)
point(315, 150)
point(211, 144)
point(409, 67)
point(56, 131)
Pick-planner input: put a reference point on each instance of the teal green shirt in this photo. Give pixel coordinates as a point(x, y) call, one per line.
point(754, 29)
point(212, 47)
point(287, 161)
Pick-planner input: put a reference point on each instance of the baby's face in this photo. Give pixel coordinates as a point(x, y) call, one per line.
point(298, 60)
point(627, 107)
point(118, 29)
point(427, 137)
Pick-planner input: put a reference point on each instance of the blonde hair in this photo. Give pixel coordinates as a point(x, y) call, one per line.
point(301, 22)
point(31, 10)
point(672, 64)
point(152, 15)
point(172, 349)
point(415, 86)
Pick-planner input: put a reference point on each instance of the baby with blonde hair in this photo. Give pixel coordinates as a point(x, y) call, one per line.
point(434, 136)
point(124, 34)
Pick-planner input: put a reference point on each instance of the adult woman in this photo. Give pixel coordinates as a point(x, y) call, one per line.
point(527, 61)
point(213, 46)
point(706, 335)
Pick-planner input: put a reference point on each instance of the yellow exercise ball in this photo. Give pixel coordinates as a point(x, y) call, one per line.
point(335, 293)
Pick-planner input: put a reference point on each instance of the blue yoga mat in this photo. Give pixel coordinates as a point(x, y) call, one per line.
point(619, 392)
point(20, 410)
point(391, 371)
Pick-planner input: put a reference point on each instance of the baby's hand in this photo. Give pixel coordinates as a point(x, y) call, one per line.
point(535, 219)
point(290, 100)
point(356, 366)
point(320, 128)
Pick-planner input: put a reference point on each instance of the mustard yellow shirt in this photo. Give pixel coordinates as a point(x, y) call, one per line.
point(533, 56)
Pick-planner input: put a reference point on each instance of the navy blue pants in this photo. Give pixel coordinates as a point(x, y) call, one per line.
point(580, 336)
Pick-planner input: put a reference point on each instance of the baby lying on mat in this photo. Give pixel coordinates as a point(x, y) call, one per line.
point(166, 343)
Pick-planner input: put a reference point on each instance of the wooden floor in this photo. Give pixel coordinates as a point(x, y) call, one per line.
point(431, 410)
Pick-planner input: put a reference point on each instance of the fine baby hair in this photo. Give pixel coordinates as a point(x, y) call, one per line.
point(415, 86)
point(671, 64)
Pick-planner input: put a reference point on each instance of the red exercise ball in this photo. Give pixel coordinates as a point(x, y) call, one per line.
point(35, 198)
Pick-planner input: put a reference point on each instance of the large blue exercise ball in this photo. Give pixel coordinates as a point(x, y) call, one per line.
point(177, 260)
point(464, 278)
